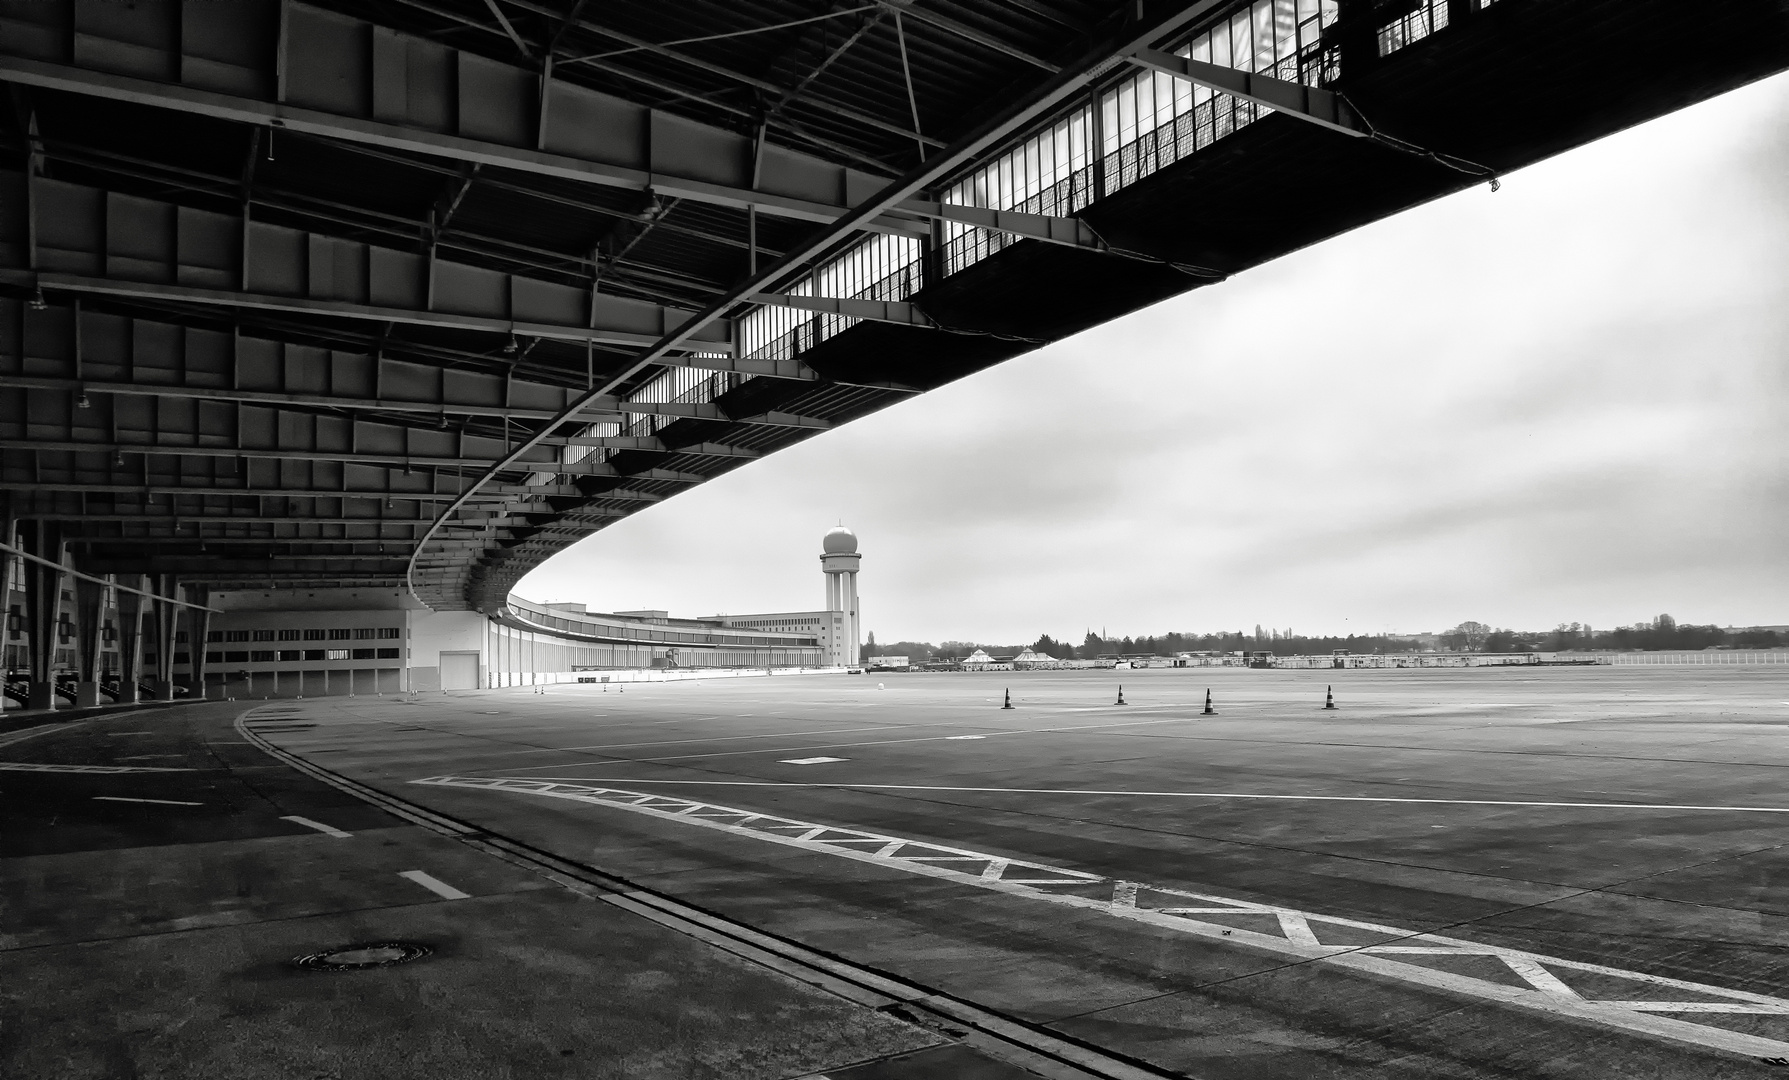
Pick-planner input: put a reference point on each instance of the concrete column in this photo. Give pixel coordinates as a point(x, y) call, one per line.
point(130, 637)
point(199, 622)
point(9, 579)
point(162, 634)
point(43, 605)
point(89, 603)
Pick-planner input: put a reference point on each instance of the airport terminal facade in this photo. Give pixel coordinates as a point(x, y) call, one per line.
point(110, 644)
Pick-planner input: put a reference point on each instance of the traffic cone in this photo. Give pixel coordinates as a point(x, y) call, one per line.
point(1209, 711)
point(1329, 697)
point(1009, 699)
point(1121, 693)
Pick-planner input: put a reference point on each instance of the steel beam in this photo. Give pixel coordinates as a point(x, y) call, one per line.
point(658, 157)
point(391, 461)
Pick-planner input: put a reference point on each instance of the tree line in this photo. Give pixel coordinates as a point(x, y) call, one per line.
point(1662, 633)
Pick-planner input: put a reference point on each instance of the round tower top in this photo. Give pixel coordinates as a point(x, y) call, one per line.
point(839, 541)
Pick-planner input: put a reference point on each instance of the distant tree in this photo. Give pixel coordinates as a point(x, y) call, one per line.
point(869, 645)
point(1467, 637)
point(1047, 644)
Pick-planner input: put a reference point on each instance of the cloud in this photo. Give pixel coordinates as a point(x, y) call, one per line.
point(1563, 401)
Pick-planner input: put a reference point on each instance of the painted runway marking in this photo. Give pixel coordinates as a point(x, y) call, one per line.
point(317, 825)
point(955, 738)
point(159, 802)
point(809, 760)
point(1553, 985)
point(26, 766)
point(435, 885)
point(714, 738)
point(1173, 794)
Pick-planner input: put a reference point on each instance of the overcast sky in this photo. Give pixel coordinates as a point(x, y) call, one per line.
point(1567, 401)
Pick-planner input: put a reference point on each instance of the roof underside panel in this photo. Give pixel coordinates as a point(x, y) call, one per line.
point(388, 291)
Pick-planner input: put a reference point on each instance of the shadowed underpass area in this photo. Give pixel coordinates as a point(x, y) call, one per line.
point(159, 876)
point(1462, 873)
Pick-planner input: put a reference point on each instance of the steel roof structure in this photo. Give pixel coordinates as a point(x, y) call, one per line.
point(425, 291)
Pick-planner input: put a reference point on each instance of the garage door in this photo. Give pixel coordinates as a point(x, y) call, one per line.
point(459, 671)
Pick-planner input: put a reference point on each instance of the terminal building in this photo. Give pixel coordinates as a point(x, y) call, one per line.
point(112, 644)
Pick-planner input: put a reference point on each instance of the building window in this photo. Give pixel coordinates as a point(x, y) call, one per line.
point(182, 658)
point(341, 635)
point(214, 635)
point(236, 635)
point(363, 654)
point(291, 654)
point(387, 654)
point(263, 635)
point(364, 633)
point(335, 654)
point(213, 657)
point(314, 635)
point(236, 657)
point(313, 654)
point(289, 635)
point(261, 656)
point(390, 631)
point(179, 636)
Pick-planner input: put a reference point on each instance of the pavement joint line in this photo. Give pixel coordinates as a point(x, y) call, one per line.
point(1145, 794)
point(1051, 1054)
point(159, 802)
point(1298, 936)
point(327, 830)
point(435, 885)
point(27, 766)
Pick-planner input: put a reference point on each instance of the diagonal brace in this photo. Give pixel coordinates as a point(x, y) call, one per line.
point(1322, 107)
point(888, 311)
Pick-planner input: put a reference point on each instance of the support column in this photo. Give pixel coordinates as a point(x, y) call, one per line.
point(89, 603)
point(130, 637)
point(9, 579)
point(43, 605)
point(162, 633)
point(198, 620)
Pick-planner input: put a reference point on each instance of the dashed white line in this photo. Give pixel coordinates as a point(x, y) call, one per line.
point(435, 885)
point(160, 802)
point(958, 738)
point(329, 830)
point(809, 760)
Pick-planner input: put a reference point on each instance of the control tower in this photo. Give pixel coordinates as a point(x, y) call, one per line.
point(839, 559)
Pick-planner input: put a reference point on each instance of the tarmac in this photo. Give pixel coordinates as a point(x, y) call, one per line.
point(1573, 872)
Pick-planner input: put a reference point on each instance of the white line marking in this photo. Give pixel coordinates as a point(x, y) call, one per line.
point(809, 760)
point(955, 738)
point(1547, 992)
point(317, 825)
point(710, 739)
point(1157, 794)
point(435, 885)
point(25, 766)
point(161, 802)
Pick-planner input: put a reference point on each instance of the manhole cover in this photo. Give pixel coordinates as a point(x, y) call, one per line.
point(379, 954)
